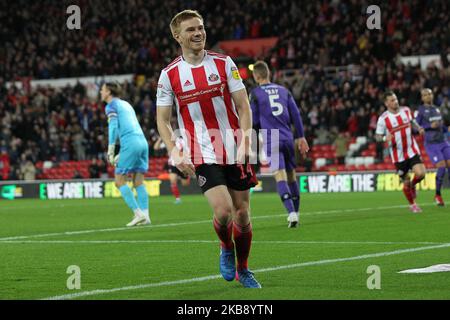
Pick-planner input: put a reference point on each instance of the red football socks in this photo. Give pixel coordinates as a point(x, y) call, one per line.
point(175, 190)
point(243, 240)
point(224, 232)
point(408, 194)
point(416, 180)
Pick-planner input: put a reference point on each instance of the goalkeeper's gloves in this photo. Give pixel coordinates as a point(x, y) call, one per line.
point(110, 154)
point(116, 160)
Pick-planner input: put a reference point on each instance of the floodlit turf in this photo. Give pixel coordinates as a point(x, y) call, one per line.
point(326, 258)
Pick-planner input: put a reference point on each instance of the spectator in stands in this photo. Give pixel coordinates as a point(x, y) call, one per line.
point(445, 110)
point(352, 124)
point(4, 163)
point(341, 143)
point(77, 175)
point(28, 170)
point(78, 143)
point(45, 123)
point(94, 169)
point(322, 136)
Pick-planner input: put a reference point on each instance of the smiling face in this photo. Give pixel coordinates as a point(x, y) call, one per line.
point(191, 35)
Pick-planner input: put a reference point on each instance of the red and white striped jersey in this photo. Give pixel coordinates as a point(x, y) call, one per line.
point(207, 116)
point(403, 145)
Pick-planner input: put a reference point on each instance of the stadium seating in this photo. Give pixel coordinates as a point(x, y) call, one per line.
point(67, 169)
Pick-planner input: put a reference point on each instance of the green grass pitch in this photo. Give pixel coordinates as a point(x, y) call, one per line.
point(177, 256)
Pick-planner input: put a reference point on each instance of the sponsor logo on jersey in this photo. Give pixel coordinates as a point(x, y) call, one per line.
point(235, 73)
point(187, 83)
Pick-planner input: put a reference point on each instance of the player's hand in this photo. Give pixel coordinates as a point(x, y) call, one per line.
point(388, 137)
point(110, 154)
point(302, 146)
point(421, 131)
point(182, 162)
point(245, 154)
point(434, 124)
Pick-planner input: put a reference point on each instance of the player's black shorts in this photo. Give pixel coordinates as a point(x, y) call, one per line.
point(404, 166)
point(234, 176)
point(173, 169)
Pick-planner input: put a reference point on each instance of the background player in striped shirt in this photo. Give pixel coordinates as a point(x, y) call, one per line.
point(436, 144)
point(395, 127)
point(212, 109)
point(274, 110)
point(133, 156)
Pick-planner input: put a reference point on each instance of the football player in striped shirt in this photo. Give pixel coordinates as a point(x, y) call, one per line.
point(215, 121)
point(396, 127)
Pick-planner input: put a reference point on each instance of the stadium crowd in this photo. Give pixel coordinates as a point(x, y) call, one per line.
point(69, 123)
point(327, 32)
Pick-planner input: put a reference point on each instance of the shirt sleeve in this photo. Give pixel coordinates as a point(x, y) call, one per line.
point(233, 77)
point(295, 117)
point(113, 123)
point(381, 127)
point(420, 119)
point(112, 130)
point(164, 94)
point(111, 110)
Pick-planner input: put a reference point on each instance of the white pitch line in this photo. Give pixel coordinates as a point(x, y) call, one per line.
point(69, 233)
point(212, 277)
point(214, 241)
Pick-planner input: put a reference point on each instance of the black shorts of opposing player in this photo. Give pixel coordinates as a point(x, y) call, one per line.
point(173, 169)
point(236, 176)
point(404, 166)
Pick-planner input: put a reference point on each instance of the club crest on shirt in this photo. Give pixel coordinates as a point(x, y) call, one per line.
point(213, 77)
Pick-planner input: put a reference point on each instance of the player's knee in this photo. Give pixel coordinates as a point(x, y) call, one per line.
point(222, 212)
point(420, 174)
point(242, 211)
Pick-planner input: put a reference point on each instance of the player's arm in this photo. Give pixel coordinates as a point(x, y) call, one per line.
point(255, 111)
point(163, 115)
point(381, 133)
point(242, 104)
point(164, 106)
point(240, 99)
point(417, 127)
point(113, 129)
point(416, 121)
point(296, 119)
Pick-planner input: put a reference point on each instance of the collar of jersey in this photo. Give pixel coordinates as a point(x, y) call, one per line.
point(201, 63)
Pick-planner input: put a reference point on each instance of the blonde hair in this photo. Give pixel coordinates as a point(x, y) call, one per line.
point(261, 69)
point(182, 16)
